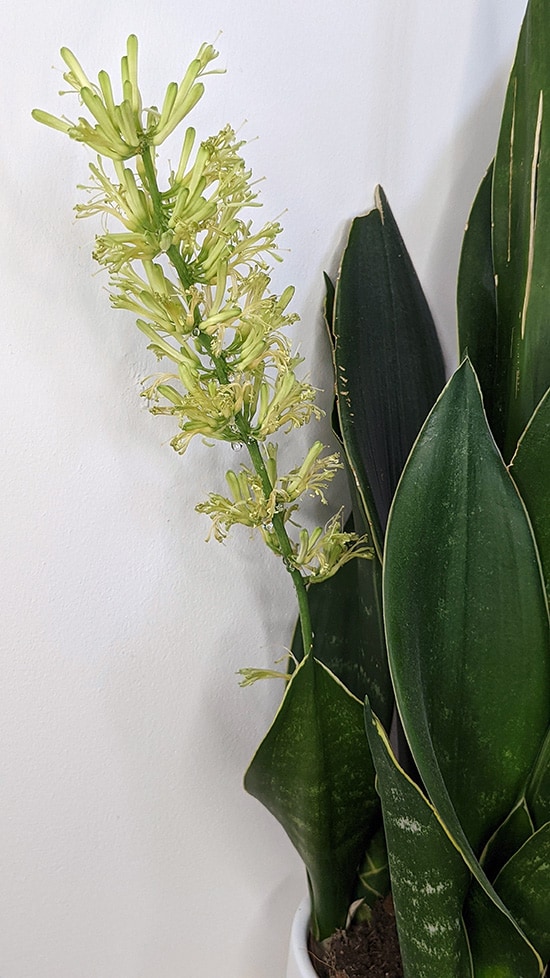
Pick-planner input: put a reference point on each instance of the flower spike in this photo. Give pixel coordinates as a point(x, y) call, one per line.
point(188, 263)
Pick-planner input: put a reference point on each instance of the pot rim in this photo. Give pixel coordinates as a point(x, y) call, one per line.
point(299, 960)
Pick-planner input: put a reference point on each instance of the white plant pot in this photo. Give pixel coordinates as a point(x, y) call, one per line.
point(299, 965)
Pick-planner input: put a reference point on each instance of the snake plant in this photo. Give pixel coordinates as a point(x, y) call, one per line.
point(465, 572)
point(454, 488)
point(429, 608)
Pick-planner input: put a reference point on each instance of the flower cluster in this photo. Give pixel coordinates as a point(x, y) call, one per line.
point(250, 506)
point(196, 274)
point(120, 129)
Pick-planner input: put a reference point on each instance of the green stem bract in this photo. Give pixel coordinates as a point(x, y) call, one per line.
point(251, 443)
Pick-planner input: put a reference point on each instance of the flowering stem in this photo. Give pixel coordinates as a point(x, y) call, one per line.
point(172, 251)
point(251, 443)
point(286, 549)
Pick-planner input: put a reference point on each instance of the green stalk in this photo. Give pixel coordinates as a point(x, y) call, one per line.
point(286, 549)
point(251, 443)
point(154, 192)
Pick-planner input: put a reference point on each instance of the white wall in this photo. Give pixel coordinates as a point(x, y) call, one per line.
point(128, 848)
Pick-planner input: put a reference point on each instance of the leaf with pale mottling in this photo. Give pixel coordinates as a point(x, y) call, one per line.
point(538, 787)
point(466, 619)
point(314, 772)
point(428, 874)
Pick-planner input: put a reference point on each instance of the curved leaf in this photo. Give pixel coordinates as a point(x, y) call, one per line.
point(466, 619)
point(432, 891)
point(373, 875)
point(429, 876)
point(530, 469)
point(508, 838)
point(314, 773)
point(476, 298)
point(346, 609)
point(524, 885)
point(388, 362)
point(498, 950)
point(538, 788)
point(521, 231)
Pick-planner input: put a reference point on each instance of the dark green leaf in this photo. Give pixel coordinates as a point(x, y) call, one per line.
point(329, 303)
point(530, 470)
point(521, 232)
point(374, 874)
point(429, 876)
point(389, 367)
point(538, 788)
point(432, 891)
point(346, 609)
point(498, 948)
point(348, 634)
point(508, 838)
point(314, 773)
point(524, 885)
point(476, 300)
point(328, 312)
point(466, 619)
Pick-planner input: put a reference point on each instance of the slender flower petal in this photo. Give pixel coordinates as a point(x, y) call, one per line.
point(47, 119)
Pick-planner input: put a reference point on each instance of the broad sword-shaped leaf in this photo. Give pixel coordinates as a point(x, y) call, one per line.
point(346, 609)
point(466, 619)
point(428, 874)
point(524, 885)
point(530, 469)
point(314, 773)
point(388, 362)
point(498, 949)
point(476, 300)
point(448, 926)
point(521, 232)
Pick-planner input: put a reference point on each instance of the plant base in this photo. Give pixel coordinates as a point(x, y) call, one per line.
point(365, 950)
